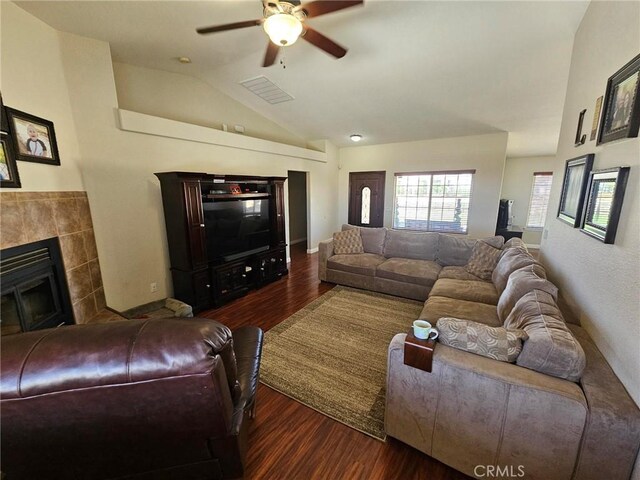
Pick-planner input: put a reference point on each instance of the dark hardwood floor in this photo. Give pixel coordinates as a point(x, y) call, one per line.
point(291, 441)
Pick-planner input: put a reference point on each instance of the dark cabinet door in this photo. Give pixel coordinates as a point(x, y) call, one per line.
point(278, 234)
point(202, 289)
point(192, 287)
point(230, 281)
point(366, 198)
point(195, 223)
point(271, 265)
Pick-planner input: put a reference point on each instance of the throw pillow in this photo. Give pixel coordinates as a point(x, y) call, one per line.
point(497, 343)
point(484, 259)
point(348, 241)
point(372, 238)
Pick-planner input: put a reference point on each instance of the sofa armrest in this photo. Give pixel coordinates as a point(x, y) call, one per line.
point(613, 429)
point(325, 251)
point(471, 411)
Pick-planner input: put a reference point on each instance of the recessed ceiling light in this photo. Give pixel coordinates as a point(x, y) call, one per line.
point(184, 59)
point(355, 137)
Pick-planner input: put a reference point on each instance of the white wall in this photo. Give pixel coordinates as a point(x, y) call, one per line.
point(517, 185)
point(190, 100)
point(297, 205)
point(32, 80)
point(601, 282)
point(118, 166)
point(485, 153)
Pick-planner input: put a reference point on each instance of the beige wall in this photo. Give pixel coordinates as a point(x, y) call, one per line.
point(517, 184)
point(118, 166)
point(32, 80)
point(485, 153)
point(601, 282)
point(190, 100)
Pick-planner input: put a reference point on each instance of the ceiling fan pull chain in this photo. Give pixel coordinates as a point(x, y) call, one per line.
point(284, 66)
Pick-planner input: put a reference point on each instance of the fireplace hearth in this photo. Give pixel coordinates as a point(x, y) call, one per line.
point(34, 291)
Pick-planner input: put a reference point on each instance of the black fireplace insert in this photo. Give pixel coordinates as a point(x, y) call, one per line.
point(34, 292)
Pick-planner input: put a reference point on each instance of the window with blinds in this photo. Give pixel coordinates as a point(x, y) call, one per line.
point(433, 201)
point(539, 201)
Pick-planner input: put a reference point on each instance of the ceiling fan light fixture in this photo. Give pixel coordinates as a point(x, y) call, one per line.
point(283, 29)
point(356, 137)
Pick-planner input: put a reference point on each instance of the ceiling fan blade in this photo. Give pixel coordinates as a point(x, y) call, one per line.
point(271, 54)
point(316, 38)
point(321, 7)
point(229, 26)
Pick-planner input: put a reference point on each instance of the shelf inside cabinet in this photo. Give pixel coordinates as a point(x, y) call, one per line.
point(226, 196)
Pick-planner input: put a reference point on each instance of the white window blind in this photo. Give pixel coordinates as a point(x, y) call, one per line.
point(433, 201)
point(539, 200)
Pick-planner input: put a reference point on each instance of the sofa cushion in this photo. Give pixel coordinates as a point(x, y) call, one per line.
point(348, 241)
point(402, 244)
point(458, 273)
point(511, 260)
point(455, 250)
point(483, 292)
point(421, 272)
point(491, 342)
point(360, 263)
point(372, 238)
point(438, 307)
point(484, 259)
point(551, 347)
point(521, 282)
point(515, 242)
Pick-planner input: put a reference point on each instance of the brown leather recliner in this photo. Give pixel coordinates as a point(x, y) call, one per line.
point(143, 399)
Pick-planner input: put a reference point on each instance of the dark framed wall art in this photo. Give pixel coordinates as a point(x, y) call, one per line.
point(604, 203)
point(9, 177)
point(574, 186)
point(34, 139)
point(621, 117)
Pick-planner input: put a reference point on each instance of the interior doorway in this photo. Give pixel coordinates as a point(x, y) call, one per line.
point(298, 221)
point(366, 198)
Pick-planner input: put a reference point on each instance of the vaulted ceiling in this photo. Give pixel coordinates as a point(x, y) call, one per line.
point(415, 69)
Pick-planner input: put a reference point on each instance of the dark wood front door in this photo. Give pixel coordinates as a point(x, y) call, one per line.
point(366, 198)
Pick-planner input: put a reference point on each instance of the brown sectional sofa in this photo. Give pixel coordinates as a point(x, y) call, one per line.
point(559, 412)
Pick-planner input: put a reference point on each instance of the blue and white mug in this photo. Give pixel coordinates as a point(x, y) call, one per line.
point(424, 331)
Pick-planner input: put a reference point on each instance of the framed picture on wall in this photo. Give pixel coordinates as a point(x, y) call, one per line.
point(4, 123)
point(34, 139)
point(604, 203)
point(622, 104)
point(574, 186)
point(9, 177)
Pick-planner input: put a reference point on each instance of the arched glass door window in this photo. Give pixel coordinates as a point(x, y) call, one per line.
point(366, 206)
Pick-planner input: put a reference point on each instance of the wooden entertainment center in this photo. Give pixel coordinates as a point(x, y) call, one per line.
point(226, 234)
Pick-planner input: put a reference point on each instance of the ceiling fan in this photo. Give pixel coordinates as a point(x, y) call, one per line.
point(284, 22)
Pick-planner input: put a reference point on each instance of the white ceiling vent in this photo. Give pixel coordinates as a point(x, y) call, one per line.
point(266, 90)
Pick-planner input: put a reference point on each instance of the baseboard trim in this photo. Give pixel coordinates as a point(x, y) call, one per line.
point(299, 240)
point(312, 250)
point(288, 259)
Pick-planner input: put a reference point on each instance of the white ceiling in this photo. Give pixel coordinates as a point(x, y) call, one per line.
point(415, 69)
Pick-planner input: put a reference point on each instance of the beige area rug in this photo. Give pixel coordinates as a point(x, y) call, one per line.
point(332, 354)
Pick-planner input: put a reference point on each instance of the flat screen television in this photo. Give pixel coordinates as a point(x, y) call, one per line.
point(236, 227)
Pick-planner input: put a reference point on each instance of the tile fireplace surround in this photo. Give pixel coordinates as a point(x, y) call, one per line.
point(27, 217)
